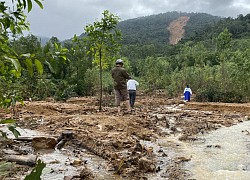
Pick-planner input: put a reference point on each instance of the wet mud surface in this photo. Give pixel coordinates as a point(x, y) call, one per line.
point(145, 144)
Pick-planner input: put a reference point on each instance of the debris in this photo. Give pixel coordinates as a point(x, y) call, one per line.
point(29, 160)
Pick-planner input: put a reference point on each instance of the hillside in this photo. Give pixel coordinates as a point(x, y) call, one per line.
point(154, 29)
point(238, 27)
point(176, 29)
point(165, 28)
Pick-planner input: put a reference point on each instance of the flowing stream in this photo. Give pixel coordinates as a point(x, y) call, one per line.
point(224, 154)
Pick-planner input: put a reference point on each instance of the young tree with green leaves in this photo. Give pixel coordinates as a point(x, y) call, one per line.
point(223, 44)
point(103, 39)
point(80, 63)
point(12, 22)
point(57, 61)
point(30, 57)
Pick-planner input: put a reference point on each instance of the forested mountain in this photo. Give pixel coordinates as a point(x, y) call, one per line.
point(200, 26)
point(238, 27)
point(154, 29)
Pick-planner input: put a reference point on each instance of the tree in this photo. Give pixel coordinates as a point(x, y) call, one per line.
point(29, 52)
point(29, 44)
point(12, 22)
point(223, 40)
point(155, 72)
point(223, 52)
point(80, 63)
point(57, 60)
point(103, 41)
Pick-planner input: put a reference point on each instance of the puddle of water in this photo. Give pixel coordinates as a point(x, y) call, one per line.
point(165, 150)
point(174, 107)
point(225, 154)
point(24, 132)
point(57, 165)
point(99, 167)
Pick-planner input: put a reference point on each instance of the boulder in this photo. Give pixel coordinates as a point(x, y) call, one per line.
point(146, 165)
point(43, 143)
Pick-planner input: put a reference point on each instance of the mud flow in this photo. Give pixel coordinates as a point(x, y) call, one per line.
point(162, 139)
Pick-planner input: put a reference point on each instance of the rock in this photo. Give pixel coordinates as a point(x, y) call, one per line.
point(44, 143)
point(146, 165)
point(137, 147)
point(68, 177)
point(110, 167)
point(77, 162)
point(182, 159)
point(160, 117)
point(63, 138)
point(167, 124)
point(116, 144)
point(150, 151)
point(86, 174)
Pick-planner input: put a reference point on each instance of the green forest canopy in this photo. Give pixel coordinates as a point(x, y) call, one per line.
point(212, 58)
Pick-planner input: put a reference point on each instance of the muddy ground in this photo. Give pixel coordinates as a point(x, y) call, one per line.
point(121, 139)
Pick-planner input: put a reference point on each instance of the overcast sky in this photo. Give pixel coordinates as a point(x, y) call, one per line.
point(64, 18)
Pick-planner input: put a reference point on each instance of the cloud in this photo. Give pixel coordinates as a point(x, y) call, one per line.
point(64, 18)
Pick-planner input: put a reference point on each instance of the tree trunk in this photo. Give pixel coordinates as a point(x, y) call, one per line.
point(100, 102)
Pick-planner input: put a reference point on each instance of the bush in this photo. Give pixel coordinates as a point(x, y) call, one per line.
point(45, 88)
point(213, 94)
point(64, 91)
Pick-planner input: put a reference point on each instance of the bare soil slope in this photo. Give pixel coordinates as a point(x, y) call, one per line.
point(176, 29)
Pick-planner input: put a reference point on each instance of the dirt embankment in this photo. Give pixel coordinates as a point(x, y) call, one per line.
point(176, 29)
point(118, 138)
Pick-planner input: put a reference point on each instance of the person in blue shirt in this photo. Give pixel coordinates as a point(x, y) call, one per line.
point(187, 93)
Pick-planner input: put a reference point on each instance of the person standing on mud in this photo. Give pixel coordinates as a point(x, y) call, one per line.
point(120, 75)
point(131, 85)
point(187, 93)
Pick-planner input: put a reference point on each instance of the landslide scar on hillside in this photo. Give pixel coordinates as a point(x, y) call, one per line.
point(176, 29)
